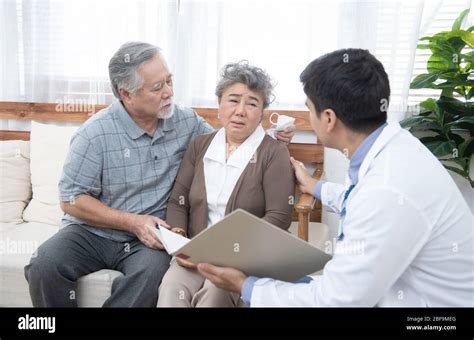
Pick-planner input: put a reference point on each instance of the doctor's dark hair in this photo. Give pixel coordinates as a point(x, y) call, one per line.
point(351, 82)
point(254, 77)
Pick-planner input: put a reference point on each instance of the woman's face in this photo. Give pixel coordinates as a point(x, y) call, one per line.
point(240, 111)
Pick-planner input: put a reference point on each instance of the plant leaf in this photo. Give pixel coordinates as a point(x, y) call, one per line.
point(448, 75)
point(426, 126)
point(422, 80)
point(462, 147)
point(429, 104)
point(455, 137)
point(411, 121)
point(456, 170)
point(460, 122)
point(426, 113)
point(426, 38)
point(468, 57)
point(441, 148)
point(447, 84)
point(466, 36)
point(455, 106)
point(438, 62)
point(470, 94)
point(459, 20)
point(430, 139)
point(467, 119)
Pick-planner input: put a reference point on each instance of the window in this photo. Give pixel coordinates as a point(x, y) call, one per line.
point(61, 48)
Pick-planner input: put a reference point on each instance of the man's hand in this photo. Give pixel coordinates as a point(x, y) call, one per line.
point(306, 183)
point(226, 278)
point(286, 135)
point(185, 263)
point(143, 226)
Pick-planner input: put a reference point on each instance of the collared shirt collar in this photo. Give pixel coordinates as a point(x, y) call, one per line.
point(132, 129)
point(361, 152)
point(240, 158)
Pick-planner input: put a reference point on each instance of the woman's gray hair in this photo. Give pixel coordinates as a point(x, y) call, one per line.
point(254, 77)
point(123, 66)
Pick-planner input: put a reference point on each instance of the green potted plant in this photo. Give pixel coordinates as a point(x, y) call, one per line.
point(445, 125)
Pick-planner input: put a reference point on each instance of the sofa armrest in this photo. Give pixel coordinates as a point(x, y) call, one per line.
point(305, 205)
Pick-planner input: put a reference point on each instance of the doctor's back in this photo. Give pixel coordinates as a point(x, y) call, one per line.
point(406, 176)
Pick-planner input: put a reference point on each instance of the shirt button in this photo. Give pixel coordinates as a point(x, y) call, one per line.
point(156, 158)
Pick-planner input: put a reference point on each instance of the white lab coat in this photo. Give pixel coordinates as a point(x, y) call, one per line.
point(408, 237)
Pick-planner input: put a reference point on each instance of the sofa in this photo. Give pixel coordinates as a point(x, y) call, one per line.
point(30, 213)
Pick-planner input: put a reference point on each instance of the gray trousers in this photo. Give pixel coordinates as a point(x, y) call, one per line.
point(74, 252)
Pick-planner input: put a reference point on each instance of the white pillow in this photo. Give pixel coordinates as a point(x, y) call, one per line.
point(15, 181)
point(49, 146)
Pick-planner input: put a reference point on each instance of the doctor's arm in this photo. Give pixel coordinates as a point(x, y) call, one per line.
point(330, 194)
point(382, 237)
point(381, 240)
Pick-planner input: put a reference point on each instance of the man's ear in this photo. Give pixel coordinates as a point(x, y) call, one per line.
point(330, 119)
point(125, 95)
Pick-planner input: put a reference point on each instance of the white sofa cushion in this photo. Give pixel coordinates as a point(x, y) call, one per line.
point(17, 244)
point(15, 180)
point(49, 145)
point(93, 289)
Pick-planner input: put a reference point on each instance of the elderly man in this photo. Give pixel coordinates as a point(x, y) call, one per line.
point(115, 184)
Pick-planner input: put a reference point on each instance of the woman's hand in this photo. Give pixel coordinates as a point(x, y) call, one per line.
point(179, 231)
point(185, 263)
point(286, 135)
point(226, 278)
point(306, 183)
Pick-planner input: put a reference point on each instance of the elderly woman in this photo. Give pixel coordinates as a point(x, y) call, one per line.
point(238, 166)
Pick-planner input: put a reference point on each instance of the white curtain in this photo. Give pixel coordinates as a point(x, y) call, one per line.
point(279, 36)
point(58, 50)
point(390, 31)
point(9, 65)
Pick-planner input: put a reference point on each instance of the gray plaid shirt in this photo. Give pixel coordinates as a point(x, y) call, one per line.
point(112, 159)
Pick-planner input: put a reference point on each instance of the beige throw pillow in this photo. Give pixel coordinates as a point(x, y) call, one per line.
point(15, 183)
point(49, 147)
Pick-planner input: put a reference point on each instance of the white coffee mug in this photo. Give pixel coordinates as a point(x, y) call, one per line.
point(282, 121)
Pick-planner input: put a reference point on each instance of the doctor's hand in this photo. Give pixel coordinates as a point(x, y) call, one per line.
point(226, 278)
point(286, 135)
point(306, 183)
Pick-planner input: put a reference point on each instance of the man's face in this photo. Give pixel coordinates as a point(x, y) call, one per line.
point(155, 98)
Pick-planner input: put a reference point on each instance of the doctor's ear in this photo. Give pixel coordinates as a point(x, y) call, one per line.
point(329, 117)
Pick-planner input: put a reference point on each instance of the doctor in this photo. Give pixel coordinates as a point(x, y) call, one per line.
point(406, 233)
